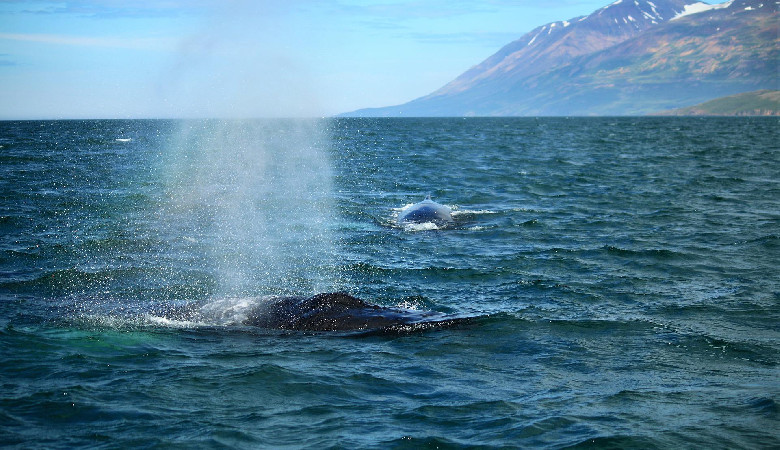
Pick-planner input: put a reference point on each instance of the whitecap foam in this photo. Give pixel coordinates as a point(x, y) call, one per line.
point(423, 226)
point(473, 212)
point(120, 321)
point(228, 311)
point(173, 323)
point(408, 306)
point(399, 209)
point(215, 312)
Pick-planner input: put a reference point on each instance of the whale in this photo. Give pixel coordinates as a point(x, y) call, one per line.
point(329, 311)
point(339, 311)
point(426, 211)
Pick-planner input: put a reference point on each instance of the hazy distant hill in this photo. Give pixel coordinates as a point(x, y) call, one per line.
point(631, 57)
point(758, 103)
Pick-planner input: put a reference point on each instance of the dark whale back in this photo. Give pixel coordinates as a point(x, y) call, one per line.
point(334, 301)
point(334, 312)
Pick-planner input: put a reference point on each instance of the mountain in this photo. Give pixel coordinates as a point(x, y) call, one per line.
point(758, 103)
point(631, 57)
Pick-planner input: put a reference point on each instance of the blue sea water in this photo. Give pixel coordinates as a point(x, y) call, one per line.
point(621, 274)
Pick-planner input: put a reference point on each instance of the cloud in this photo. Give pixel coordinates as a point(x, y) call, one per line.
point(484, 38)
point(247, 60)
point(84, 41)
point(113, 8)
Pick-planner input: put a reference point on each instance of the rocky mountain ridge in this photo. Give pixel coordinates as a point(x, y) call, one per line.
point(631, 57)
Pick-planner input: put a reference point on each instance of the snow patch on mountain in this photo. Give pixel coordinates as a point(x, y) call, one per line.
point(700, 7)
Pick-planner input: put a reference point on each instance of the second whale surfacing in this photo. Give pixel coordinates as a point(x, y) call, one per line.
point(426, 211)
point(339, 311)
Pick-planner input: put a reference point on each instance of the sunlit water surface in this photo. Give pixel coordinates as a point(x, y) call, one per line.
point(622, 274)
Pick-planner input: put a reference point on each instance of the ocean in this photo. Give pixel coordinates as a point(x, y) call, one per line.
point(619, 277)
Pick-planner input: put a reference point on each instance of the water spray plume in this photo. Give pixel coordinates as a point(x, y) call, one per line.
point(254, 199)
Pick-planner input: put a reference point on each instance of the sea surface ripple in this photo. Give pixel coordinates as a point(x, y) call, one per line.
point(621, 273)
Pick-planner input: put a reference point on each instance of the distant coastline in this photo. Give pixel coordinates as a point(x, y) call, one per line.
point(765, 102)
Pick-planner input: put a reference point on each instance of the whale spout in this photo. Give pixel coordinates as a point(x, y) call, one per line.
point(426, 211)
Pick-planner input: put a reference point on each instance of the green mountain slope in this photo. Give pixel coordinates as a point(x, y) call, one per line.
point(758, 103)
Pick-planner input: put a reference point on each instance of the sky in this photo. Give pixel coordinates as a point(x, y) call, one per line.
point(240, 59)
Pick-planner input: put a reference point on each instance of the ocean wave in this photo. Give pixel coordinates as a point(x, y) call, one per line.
point(114, 283)
point(652, 253)
point(422, 226)
point(471, 212)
